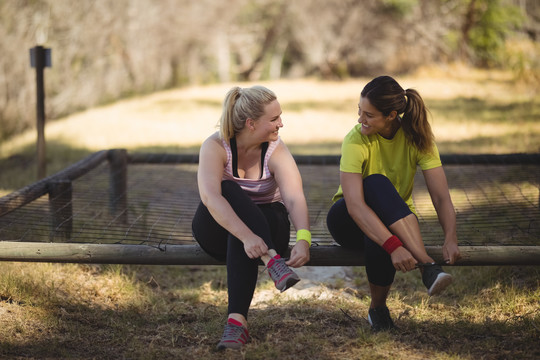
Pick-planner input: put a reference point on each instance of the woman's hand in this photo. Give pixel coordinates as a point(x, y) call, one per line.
point(255, 247)
point(299, 254)
point(403, 260)
point(451, 252)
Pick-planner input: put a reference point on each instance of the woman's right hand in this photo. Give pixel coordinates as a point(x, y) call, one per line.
point(255, 247)
point(403, 260)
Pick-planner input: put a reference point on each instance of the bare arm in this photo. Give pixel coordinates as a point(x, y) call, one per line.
point(366, 219)
point(440, 196)
point(288, 177)
point(211, 165)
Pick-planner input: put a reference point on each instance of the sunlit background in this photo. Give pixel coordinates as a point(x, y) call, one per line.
point(151, 75)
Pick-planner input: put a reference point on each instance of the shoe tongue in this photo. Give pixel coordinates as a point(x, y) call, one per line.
point(273, 260)
point(234, 322)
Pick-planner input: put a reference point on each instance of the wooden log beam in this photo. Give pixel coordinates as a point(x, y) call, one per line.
point(447, 159)
point(326, 255)
point(32, 192)
point(164, 158)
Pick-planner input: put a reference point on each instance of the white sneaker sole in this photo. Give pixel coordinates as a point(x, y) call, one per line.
point(442, 281)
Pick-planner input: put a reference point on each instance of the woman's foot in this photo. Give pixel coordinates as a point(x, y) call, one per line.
point(379, 319)
point(282, 275)
point(435, 279)
point(234, 336)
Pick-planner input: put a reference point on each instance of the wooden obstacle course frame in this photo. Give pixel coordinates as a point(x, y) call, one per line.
point(118, 159)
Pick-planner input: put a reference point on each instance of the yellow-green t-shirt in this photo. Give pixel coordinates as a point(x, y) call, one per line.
point(395, 158)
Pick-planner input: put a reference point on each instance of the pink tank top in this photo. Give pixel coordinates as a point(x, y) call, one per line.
point(263, 190)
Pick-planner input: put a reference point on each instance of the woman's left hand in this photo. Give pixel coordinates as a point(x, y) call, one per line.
point(451, 252)
point(299, 254)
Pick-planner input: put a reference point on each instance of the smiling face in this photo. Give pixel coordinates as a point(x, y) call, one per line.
point(373, 121)
point(268, 125)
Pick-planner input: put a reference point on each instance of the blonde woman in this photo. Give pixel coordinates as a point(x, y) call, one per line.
point(249, 186)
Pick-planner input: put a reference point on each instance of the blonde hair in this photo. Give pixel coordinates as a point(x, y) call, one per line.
point(241, 104)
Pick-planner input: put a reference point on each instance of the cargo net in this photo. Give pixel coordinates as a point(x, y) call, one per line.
point(496, 204)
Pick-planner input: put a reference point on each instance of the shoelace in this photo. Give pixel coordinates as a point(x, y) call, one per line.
point(275, 260)
point(234, 333)
point(278, 269)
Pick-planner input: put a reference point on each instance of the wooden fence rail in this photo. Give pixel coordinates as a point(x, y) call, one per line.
point(324, 255)
point(32, 192)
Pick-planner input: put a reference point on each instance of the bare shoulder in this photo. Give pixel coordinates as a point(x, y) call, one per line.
point(280, 157)
point(213, 147)
point(213, 142)
point(213, 139)
point(281, 148)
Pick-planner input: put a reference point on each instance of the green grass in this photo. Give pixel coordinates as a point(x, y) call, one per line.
point(80, 311)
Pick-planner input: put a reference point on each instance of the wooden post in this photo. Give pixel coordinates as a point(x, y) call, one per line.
point(40, 58)
point(118, 184)
point(61, 209)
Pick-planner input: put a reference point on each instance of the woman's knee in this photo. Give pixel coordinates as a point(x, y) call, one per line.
point(376, 183)
point(383, 198)
point(342, 227)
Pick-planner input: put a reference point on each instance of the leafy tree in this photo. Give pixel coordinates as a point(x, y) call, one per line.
point(486, 26)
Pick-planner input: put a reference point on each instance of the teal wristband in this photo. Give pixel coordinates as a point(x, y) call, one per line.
point(303, 234)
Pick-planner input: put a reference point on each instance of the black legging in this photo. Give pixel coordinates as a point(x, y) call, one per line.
point(381, 196)
point(269, 221)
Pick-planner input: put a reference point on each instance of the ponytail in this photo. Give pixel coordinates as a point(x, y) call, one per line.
point(415, 122)
point(226, 123)
point(386, 95)
point(240, 105)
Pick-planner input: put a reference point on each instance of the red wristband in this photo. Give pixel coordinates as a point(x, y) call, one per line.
point(392, 244)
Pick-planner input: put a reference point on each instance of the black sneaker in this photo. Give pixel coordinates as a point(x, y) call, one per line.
point(380, 320)
point(435, 279)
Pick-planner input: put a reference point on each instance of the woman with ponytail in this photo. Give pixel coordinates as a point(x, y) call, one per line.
point(249, 186)
point(373, 209)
